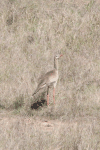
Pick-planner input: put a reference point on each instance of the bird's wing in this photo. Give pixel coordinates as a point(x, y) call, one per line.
point(44, 80)
point(41, 85)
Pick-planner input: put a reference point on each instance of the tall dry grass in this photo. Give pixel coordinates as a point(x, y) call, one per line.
point(31, 32)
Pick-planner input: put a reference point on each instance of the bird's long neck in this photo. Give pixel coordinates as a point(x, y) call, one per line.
point(55, 63)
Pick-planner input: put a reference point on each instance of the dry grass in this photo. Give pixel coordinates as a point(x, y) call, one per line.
point(31, 32)
point(30, 133)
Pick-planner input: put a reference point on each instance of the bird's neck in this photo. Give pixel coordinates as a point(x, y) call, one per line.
point(56, 64)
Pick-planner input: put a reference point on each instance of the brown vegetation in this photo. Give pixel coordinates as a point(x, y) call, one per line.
point(31, 32)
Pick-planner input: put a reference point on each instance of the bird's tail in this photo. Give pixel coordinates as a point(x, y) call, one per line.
point(35, 92)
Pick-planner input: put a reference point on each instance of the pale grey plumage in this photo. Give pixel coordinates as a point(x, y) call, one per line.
point(50, 78)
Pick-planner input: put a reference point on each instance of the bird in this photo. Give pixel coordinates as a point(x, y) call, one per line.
point(48, 79)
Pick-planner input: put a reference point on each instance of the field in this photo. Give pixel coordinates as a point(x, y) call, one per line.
point(31, 33)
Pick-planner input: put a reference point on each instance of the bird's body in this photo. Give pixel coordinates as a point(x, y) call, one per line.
point(50, 78)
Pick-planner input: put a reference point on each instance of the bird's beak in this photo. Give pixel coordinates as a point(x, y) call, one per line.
point(61, 55)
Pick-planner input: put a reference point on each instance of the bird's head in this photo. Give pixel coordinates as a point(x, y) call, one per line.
point(58, 56)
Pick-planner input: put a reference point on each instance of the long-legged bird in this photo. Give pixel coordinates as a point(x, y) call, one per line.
point(50, 78)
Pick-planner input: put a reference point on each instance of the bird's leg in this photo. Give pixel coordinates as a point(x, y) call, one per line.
point(54, 95)
point(47, 96)
point(47, 100)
